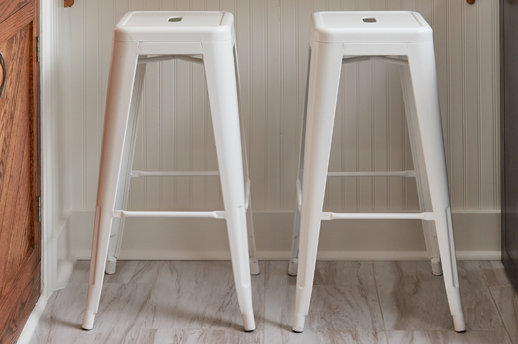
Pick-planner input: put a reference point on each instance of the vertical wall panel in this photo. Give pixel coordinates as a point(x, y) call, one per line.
point(175, 128)
point(76, 118)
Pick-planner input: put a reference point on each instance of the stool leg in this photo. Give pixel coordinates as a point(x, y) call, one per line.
point(423, 188)
point(120, 87)
point(326, 62)
point(292, 267)
point(252, 252)
point(121, 201)
point(424, 81)
point(219, 65)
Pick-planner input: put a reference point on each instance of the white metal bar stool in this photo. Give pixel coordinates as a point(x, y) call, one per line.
point(403, 38)
point(207, 38)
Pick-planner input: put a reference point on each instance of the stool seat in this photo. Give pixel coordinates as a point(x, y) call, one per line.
point(175, 26)
point(370, 27)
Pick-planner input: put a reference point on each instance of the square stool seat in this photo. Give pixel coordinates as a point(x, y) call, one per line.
point(175, 26)
point(370, 27)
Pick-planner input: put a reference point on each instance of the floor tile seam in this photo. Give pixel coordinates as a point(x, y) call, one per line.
point(503, 286)
point(501, 316)
point(499, 285)
point(379, 301)
point(140, 330)
point(148, 307)
point(441, 331)
point(225, 329)
point(484, 277)
point(488, 288)
point(345, 285)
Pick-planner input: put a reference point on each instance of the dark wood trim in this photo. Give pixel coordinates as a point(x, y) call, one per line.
point(502, 132)
point(12, 25)
point(36, 96)
point(510, 266)
point(8, 8)
point(25, 301)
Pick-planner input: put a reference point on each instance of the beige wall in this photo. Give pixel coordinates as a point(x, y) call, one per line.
point(175, 131)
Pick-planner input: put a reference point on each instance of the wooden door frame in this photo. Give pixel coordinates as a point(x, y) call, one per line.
point(26, 12)
point(506, 260)
point(46, 99)
point(48, 251)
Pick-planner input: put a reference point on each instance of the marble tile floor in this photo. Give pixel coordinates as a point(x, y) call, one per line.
point(187, 302)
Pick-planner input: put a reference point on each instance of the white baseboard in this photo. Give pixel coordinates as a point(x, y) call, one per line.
point(64, 270)
point(64, 257)
point(33, 320)
point(285, 255)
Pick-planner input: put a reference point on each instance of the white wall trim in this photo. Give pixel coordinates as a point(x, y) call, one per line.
point(33, 320)
point(285, 255)
point(47, 249)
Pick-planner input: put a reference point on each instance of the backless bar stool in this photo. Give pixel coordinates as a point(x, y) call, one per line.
point(403, 38)
point(207, 38)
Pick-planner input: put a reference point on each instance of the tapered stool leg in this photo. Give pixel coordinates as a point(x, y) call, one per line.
point(221, 84)
point(121, 200)
point(326, 62)
point(424, 83)
point(120, 89)
point(252, 252)
point(423, 188)
point(293, 265)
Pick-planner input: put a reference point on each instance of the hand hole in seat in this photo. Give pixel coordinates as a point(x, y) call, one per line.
point(174, 19)
point(369, 20)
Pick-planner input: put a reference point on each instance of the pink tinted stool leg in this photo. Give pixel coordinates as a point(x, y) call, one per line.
point(423, 188)
point(421, 74)
point(293, 265)
point(123, 188)
point(221, 83)
point(326, 63)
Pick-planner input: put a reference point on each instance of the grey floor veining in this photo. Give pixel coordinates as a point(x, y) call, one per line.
point(187, 302)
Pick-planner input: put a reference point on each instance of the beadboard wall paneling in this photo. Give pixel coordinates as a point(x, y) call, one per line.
point(175, 130)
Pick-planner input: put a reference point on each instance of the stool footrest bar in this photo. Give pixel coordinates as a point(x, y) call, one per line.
point(377, 216)
point(137, 174)
point(373, 174)
point(207, 214)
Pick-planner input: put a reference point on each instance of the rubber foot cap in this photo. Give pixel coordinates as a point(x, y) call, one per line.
point(111, 265)
point(248, 322)
point(254, 267)
point(436, 266)
point(88, 321)
point(292, 268)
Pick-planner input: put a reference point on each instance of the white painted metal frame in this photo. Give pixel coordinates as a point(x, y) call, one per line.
point(419, 83)
point(125, 84)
